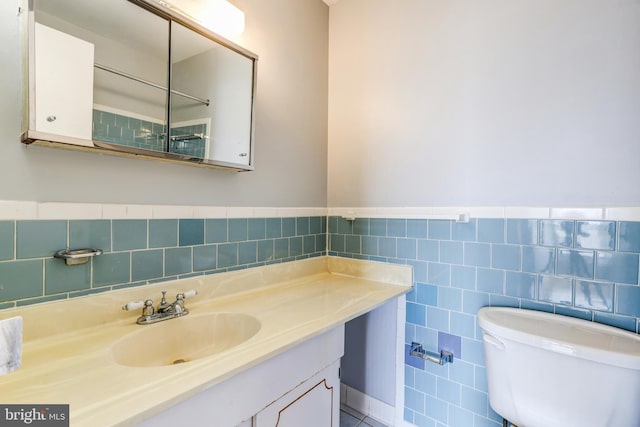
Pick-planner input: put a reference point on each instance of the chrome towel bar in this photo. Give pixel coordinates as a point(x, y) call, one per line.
point(439, 358)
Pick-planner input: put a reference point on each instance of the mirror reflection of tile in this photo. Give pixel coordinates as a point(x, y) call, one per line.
point(123, 130)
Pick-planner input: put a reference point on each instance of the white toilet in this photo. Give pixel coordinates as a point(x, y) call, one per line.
point(547, 370)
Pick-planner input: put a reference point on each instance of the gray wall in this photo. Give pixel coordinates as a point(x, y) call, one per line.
point(291, 123)
point(484, 103)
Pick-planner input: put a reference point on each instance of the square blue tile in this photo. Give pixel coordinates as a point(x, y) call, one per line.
point(556, 233)
point(520, 285)
point(448, 391)
point(352, 244)
point(463, 277)
point(7, 239)
point(575, 263)
point(617, 267)
point(247, 252)
point(439, 229)
point(36, 239)
point(428, 250)
point(191, 232)
point(90, 234)
point(295, 246)
point(129, 234)
point(344, 226)
point(163, 233)
point(596, 235)
point(417, 228)
point(628, 300)
point(112, 268)
point(308, 244)
point(289, 227)
point(449, 299)
point(216, 230)
point(416, 314)
point(227, 255)
point(378, 227)
point(337, 242)
point(315, 225)
point(281, 248)
point(265, 250)
point(491, 230)
point(439, 274)
point(21, 279)
point(59, 277)
point(522, 231)
point(557, 290)
point(273, 228)
point(426, 294)
point(451, 252)
point(407, 248)
point(465, 231)
point(477, 254)
point(629, 237)
point(506, 257)
point(387, 247)
point(361, 226)
point(177, 261)
point(302, 226)
point(204, 257)
point(594, 295)
point(491, 281)
point(257, 228)
point(146, 265)
point(536, 259)
point(464, 325)
point(397, 227)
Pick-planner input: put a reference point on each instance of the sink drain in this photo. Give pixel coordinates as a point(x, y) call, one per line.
point(178, 361)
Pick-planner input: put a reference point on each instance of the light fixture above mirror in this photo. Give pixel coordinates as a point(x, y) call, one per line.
point(219, 16)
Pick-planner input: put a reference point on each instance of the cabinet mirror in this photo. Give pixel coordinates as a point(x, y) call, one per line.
point(137, 78)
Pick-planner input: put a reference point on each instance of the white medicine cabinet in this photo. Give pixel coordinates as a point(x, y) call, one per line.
point(136, 78)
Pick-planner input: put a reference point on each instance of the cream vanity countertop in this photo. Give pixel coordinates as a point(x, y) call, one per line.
point(67, 355)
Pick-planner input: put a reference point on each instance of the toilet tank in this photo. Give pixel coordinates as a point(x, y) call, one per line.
point(548, 370)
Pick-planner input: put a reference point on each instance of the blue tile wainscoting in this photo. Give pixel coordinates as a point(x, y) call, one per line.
point(142, 251)
point(581, 268)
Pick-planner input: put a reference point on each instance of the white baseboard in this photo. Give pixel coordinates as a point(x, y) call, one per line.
point(367, 405)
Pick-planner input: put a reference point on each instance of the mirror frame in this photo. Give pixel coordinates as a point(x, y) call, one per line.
point(158, 7)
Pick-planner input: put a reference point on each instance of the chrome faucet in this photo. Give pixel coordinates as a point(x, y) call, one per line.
point(165, 310)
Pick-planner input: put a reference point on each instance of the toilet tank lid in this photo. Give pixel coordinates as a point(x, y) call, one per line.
point(562, 334)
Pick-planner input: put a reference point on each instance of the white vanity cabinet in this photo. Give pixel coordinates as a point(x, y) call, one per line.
point(314, 403)
point(64, 84)
point(299, 387)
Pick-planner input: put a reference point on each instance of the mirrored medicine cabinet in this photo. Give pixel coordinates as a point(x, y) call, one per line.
point(137, 78)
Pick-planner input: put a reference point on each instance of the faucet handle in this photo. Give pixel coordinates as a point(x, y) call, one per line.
point(190, 294)
point(133, 305)
point(163, 302)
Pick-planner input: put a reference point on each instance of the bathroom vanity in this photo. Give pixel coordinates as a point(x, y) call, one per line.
point(279, 333)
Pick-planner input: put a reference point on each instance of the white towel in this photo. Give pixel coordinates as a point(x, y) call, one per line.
point(10, 344)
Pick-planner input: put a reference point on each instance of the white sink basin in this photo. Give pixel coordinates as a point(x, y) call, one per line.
point(184, 339)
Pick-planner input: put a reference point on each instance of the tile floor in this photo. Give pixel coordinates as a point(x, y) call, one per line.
point(349, 417)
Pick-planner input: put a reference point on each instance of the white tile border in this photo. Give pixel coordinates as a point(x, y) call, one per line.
point(28, 210)
point(630, 213)
point(16, 209)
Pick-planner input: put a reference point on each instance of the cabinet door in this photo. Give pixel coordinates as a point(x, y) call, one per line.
point(63, 83)
point(314, 403)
